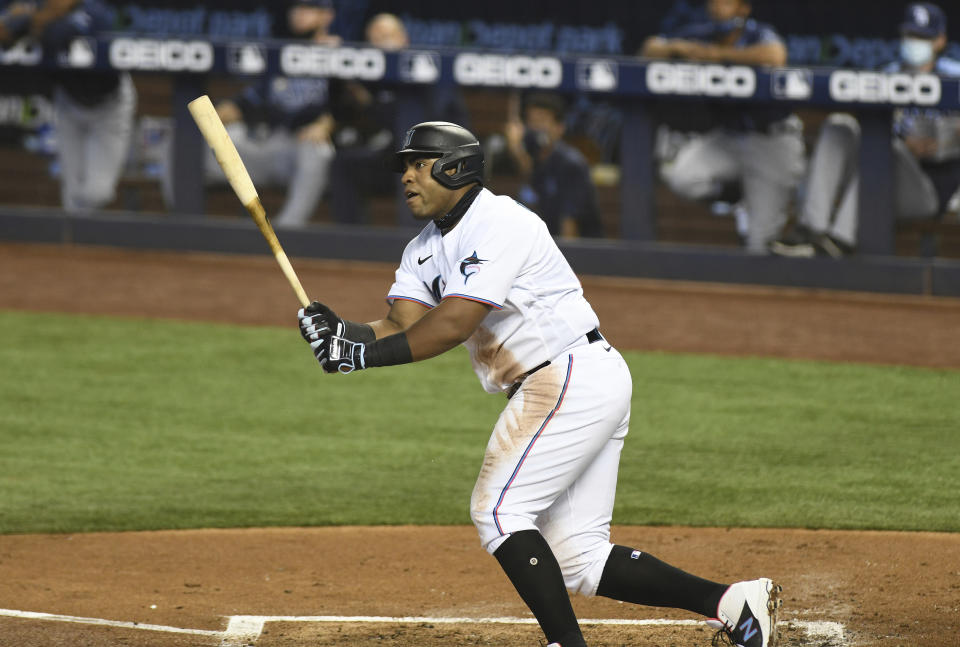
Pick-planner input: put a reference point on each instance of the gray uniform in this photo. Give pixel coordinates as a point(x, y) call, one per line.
point(921, 188)
point(94, 113)
point(761, 148)
point(769, 166)
point(93, 142)
point(278, 158)
point(274, 111)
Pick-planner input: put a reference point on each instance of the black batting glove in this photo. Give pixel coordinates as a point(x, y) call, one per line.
point(344, 346)
point(326, 333)
point(318, 321)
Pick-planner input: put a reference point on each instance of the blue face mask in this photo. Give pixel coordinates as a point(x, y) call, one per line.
point(916, 52)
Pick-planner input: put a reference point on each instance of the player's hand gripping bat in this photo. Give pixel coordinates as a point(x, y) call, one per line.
point(229, 159)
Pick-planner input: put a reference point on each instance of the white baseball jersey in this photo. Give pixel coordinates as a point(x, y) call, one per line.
point(551, 461)
point(500, 254)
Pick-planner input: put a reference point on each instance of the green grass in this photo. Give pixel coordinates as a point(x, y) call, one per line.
point(123, 424)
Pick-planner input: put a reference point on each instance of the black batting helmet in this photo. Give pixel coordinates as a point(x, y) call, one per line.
point(455, 146)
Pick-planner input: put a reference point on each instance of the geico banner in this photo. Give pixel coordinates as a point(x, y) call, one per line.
point(366, 64)
point(512, 71)
point(876, 87)
point(161, 55)
point(705, 80)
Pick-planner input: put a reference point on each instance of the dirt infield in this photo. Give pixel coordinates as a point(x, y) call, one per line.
point(884, 589)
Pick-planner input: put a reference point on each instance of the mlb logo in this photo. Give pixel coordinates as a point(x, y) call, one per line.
point(81, 53)
point(247, 58)
point(419, 67)
point(792, 84)
point(600, 75)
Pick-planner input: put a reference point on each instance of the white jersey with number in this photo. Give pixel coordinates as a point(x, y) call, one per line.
point(500, 254)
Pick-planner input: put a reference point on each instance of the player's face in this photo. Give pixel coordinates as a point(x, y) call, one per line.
point(387, 33)
point(543, 120)
point(721, 10)
point(306, 20)
point(426, 197)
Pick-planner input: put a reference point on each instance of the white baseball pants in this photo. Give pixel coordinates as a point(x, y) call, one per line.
point(552, 459)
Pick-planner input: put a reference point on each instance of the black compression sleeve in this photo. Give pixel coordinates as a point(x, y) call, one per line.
point(388, 351)
point(632, 576)
point(358, 332)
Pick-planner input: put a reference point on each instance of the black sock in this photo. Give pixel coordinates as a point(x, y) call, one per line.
point(532, 568)
point(632, 576)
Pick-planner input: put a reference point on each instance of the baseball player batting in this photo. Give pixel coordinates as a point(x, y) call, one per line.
point(485, 272)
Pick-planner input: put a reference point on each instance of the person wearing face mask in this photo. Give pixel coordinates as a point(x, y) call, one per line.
point(756, 150)
point(926, 152)
point(557, 183)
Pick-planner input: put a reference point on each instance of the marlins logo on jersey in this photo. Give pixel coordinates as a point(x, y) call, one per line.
point(471, 265)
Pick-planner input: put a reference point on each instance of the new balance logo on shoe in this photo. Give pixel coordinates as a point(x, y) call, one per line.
point(747, 614)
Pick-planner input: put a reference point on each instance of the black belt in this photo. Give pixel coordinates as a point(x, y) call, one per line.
point(592, 336)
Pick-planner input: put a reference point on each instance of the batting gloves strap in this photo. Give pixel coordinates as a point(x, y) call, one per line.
point(339, 355)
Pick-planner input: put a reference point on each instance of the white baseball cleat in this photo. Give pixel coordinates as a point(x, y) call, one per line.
point(747, 614)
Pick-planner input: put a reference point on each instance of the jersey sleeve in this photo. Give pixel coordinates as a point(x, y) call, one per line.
point(767, 35)
point(489, 264)
point(408, 285)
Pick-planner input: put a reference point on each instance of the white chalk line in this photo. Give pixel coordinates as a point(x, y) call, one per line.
point(245, 629)
point(31, 615)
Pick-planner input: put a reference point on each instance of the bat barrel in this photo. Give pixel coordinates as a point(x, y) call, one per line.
point(219, 140)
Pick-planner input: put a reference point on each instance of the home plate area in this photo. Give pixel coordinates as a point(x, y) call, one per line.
point(361, 631)
point(369, 631)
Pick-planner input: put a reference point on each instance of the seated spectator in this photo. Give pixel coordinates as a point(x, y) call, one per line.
point(759, 147)
point(926, 152)
point(313, 18)
point(94, 110)
point(367, 136)
point(557, 179)
point(282, 126)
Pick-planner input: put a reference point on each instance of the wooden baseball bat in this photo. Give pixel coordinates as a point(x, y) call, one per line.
point(229, 159)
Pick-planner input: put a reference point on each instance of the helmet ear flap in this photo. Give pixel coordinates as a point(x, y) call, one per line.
point(463, 173)
point(439, 172)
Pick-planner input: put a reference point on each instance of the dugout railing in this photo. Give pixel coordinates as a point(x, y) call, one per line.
point(634, 84)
